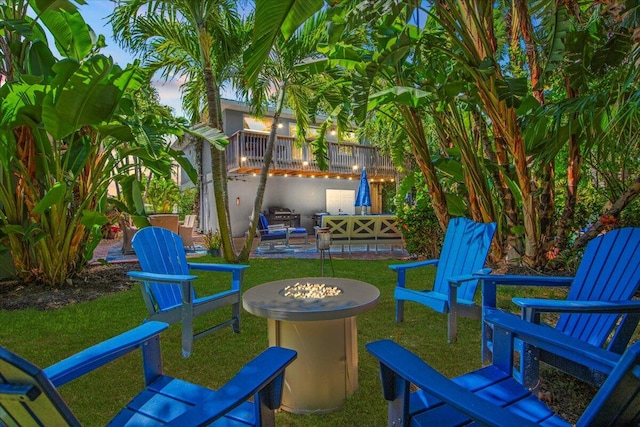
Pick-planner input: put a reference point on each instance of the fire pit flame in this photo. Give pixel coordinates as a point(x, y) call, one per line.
point(310, 291)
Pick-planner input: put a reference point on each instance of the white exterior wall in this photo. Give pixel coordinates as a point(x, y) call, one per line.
point(305, 196)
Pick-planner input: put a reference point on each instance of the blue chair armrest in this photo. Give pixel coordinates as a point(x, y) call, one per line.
point(235, 270)
point(230, 268)
point(498, 279)
point(262, 375)
point(549, 339)
point(490, 282)
point(100, 354)
point(398, 267)
point(143, 276)
point(564, 306)
point(401, 269)
point(459, 280)
point(399, 367)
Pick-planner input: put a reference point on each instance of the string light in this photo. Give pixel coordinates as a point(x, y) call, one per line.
point(348, 177)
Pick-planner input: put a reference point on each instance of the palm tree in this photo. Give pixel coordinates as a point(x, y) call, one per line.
point(198, 39)
point(282, 80)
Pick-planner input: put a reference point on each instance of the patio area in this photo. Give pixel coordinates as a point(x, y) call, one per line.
point(110, 250)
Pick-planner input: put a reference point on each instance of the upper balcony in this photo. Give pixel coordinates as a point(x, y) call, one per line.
point(245, 154)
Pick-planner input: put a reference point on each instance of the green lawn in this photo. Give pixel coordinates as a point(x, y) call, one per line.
point(45, 337)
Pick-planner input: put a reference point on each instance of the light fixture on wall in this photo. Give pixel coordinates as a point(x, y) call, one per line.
point(280, 125)
point(237, 201)
point(333, 132)
point(354, 167)
point(243, 159)
point(305, 163)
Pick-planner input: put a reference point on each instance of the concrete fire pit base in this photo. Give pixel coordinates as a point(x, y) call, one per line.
point(323, 332)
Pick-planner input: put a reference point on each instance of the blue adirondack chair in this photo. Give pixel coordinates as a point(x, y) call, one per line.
point(491, 396)
point(464, 251)
point(167, 285)
point(598, 309)
point(28, 395)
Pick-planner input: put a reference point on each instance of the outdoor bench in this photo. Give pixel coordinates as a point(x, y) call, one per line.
point(349, 230)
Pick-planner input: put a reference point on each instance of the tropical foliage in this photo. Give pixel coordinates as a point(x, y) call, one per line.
point(525, 113)
point(162, 194)
point(417, 221)
point(284, 82)
point(489, 96)
point(69, 128)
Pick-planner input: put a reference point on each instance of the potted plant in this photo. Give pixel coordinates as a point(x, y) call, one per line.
point(212, 242)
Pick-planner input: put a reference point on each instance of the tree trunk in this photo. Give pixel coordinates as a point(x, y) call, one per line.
point(262, 185)
point(219, 169)
point(470, 26)
point(264, 173)
point(415, 130)
point(573, 179)
point(546, 211)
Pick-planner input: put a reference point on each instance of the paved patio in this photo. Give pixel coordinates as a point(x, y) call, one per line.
point(110, 250)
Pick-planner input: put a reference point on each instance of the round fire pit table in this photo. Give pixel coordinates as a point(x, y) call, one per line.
point(316, 316)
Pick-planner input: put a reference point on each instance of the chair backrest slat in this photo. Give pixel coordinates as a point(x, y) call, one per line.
point(609, 271)
point(464, 251)
point(189, 221)
point(263, 224)
point(40, 405)
point(161, 251)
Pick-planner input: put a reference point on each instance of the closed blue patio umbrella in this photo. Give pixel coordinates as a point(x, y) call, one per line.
point(363, 196)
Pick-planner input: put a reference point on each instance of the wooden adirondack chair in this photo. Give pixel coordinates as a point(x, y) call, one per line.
point(491, 396)
point(185, 230)
point(128, 231)
point(167, 285)
point(598, 309)
point(28, 395)
point(464, 251)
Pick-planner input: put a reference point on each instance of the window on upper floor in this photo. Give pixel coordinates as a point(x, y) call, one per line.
point(257, 124)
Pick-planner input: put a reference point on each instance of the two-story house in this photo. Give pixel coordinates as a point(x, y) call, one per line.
point(295, 181)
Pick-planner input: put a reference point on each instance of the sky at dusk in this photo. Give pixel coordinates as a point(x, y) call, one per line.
point(95, 13)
